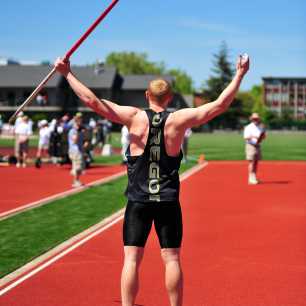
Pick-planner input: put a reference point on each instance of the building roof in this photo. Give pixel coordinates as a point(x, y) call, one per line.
point(285, 79)
point(141, 82)
point(29, 76)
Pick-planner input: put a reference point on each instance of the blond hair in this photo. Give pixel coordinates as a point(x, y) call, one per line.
point(159, 89)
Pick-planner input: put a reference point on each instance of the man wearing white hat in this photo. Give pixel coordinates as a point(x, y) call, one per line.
point(43, 143)
point(254, 133)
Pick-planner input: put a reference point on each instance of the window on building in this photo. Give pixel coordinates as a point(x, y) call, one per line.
point(275, 103)
point(26, 94)
point(11, 98)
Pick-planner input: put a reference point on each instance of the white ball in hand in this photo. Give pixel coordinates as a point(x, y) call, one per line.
point(244, 58)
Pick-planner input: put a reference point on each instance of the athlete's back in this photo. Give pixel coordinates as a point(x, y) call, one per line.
point(152, 172)
point(139, 130)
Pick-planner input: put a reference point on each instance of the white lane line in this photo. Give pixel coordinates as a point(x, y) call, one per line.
point(57, 257)
point(60, 195)
point(26, 276)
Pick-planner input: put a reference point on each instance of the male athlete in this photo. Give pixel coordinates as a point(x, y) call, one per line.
point(154, 157)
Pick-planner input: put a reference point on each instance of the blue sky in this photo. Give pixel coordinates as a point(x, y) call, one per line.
point(183, 34)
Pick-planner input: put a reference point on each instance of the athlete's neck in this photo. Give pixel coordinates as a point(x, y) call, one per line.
point(156, 108)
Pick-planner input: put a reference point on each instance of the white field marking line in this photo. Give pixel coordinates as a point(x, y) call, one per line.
point(6, 280)
point(60, 195)
point(193, 170)
point(91, 235)
point(57, 257)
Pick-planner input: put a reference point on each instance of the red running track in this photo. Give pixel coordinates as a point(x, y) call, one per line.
point(243, 245)
point(20, 186)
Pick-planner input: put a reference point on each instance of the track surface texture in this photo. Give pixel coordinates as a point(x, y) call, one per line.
point(20, 186)
point(243, 245)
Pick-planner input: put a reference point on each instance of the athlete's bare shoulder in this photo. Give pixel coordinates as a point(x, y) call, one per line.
point(140, 121)
point(140, 117)
point(172, 124)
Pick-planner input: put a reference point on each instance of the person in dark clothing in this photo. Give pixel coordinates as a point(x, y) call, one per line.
point(154, 157)
point(55, 146)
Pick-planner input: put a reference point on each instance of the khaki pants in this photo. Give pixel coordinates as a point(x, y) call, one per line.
point(77, 163)
point(252, 152)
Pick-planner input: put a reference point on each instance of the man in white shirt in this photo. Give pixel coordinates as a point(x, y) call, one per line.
point(22, 131)
point(254, 133)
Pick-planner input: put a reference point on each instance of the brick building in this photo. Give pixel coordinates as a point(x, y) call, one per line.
point(286, 94)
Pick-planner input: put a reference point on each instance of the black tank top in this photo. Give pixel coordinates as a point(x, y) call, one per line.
point(154, 175)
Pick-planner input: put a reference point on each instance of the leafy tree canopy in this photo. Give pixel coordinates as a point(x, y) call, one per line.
point(183, 82)
point(222, 73)
point(138, 63)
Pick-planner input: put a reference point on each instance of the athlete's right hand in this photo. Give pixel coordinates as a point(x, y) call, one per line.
point(62, 66)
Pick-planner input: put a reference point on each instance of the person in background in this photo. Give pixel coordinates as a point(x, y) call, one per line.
point(187, 134)
point(125, 141)
point(88, 135)
point(1, 124)
point(107, 129)
point(17, 122)
point(76, 149)
point(43, 142)
point(55, 147)
point(254, 134)
point(100, 135)
point(66, 126)
point(23, 132)
point(65, 123)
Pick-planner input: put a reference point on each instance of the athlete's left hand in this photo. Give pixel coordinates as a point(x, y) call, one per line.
point(243, 64)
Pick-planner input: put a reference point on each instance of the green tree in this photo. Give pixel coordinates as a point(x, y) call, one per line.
point(134, 63)
point(183, 82)
point(258, 106)
point(222, 75)
point(138, 63)
point(247, 103)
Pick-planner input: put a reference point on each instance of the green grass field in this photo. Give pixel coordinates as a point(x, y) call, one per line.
point(9, 142)
point(230, 146)
point(226, 146)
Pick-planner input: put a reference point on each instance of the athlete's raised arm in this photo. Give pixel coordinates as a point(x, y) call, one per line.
point(112, 111)
point(190, 117)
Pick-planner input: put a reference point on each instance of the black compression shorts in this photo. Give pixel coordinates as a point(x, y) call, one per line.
point(167, 218)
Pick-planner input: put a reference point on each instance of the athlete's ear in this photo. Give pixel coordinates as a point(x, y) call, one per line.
point(169, 98)
point(147, 94)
